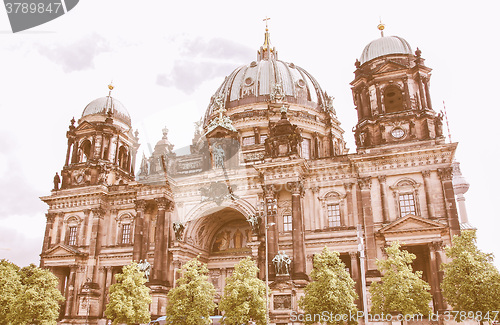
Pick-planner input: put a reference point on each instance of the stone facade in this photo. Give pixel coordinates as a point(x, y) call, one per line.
point(270, 147)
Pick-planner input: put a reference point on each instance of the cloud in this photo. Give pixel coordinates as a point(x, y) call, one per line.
point(188, 75)
point(20, 248)
point(217, 48)
point(17, 195)
point(204, 60)
point(76, 56)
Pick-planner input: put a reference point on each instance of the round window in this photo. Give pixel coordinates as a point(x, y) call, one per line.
point(398, 133)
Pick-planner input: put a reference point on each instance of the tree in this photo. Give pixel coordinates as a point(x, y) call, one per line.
point(400, 289)
point(244, 295)
point(129, 298)
point(191, 302)
point(471, 283)
point(10, 287)
point(39, 300)
point(331, 293)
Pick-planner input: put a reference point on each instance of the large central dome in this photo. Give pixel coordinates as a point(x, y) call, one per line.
point(255, 83)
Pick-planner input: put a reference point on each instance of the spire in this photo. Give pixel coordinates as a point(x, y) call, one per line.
point(267, 51)
point(381, 28)
point(109, 100)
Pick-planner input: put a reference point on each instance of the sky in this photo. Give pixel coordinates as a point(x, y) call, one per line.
point(167, 58)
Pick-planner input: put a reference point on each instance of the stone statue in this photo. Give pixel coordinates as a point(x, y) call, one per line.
point(57, 180)
point(178, 230)
point(282, 263)
point(145, 267)
point(438, 122)
point(254, 222)
point(219, 156)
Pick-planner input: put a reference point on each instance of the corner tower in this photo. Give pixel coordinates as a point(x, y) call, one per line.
point(102, 147)
point(391, 94)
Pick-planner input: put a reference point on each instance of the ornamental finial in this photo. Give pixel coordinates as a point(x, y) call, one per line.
point(110, 87)
point(381, 28)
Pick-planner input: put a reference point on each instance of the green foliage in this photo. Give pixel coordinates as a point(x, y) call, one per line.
point(332, 290)
point(129, 298)
point(244, 295)
point(29, 295)
point(400, 289)
point(471, 282)
point(40, 299)
point(10, 287)
point(191, 302)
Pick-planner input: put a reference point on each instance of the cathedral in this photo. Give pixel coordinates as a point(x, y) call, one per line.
point(268, 175)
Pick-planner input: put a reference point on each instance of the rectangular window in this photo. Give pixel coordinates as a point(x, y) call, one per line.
point(306, 148)
point(126, 233)
point(248, 141)
point(287, 223)
point(333, 213)
point(407, 204)
point(72, 236)
point(263, 138)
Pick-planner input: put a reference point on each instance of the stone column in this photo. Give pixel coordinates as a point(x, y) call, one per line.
point(446, 174)
point(167, 233)
point(367, 217)
point(407, 93)
point(421, 92)
point(427, 188)
point(383, 198)
point(97, 215)
point(116, 148)
point(48, 230)
point(137, 254)
point(427, 93)
point(298, 242)
point(160, 240)
point(435, 279)
point(92, 148)
point(70, 288)
point(380, 110)
point(350, 213)
point(68, 152)
point(356, 276)
point(74, 155)
point(272, 231)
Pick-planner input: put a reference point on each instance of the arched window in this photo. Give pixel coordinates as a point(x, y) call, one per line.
point(334, 209)
point(406, 195)
point(393, 99)
point(72, 228)
point(85, 150)
point(122, 157)
point(125, 223)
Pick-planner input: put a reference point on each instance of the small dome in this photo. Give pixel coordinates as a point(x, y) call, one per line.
point(385, 46)
point(103, 105)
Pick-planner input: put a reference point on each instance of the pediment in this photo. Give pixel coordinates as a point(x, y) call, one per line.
point(63, 250)
point(84, 126)
point(411, 223)
point(220, 132)
point(390, 66)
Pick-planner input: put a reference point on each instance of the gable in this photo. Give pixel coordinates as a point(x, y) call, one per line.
point(412, 223)
point(84, 126)
point(389, 66)
point(62, 250)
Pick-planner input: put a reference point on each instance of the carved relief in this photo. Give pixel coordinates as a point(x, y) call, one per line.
point(445, 174)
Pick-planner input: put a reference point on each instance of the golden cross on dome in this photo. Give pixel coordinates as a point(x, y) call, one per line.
point(266, 19)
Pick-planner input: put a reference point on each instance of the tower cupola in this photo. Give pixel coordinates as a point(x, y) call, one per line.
point(102, 147)
point(391, 94)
